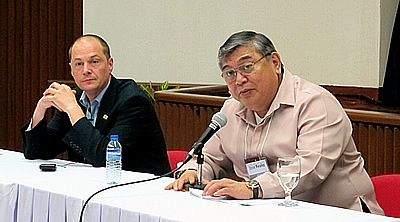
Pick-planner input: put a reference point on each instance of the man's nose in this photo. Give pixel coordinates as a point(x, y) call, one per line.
point(86, 68)
point(240, 79)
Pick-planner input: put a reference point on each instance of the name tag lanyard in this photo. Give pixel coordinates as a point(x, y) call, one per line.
point(258, 165)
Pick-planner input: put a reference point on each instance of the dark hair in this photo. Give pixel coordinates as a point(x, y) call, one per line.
point(103, 43)
point(260, 42)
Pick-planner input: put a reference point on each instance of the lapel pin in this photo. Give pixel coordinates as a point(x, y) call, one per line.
point(105, 117)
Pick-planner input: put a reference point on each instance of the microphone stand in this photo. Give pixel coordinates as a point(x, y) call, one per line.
point(199, 184)
point(200, 160)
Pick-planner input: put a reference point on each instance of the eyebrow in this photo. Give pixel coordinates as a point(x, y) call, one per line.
point(91, 57)
point(95, 56)
point(241, 59)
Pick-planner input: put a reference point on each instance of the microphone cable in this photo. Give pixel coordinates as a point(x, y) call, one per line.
point(218, 121)
point(133, 182)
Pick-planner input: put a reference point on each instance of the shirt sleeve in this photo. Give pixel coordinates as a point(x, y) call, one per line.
point(29, 127)
point(323, 133)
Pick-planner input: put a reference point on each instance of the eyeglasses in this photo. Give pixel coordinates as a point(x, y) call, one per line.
point(245, 69)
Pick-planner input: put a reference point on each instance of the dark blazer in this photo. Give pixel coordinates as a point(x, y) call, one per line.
point(125, 110)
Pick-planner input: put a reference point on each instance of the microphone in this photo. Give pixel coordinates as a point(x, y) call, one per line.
point(218, 121)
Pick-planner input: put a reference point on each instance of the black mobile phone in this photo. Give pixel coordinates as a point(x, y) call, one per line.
point(48, 167)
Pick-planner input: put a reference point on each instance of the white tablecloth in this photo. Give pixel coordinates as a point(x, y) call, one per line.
point(28, 194)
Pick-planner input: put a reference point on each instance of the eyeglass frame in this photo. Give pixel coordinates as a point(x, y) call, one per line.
point(237, 69)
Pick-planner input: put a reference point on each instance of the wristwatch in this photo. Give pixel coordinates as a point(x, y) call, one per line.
point(255, 186)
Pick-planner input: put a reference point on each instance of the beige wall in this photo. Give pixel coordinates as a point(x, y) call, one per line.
point(338, 42)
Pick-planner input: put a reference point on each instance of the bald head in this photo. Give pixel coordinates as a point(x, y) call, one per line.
point(103, 43)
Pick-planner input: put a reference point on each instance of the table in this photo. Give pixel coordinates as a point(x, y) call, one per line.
point(28, 194)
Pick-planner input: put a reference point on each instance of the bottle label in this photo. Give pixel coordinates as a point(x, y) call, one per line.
point(113, 155)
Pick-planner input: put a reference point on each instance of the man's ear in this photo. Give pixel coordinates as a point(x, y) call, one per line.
point(70, 66)
point(111, 64)
point(276, 60)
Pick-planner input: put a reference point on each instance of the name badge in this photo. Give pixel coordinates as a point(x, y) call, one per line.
point(256, 167)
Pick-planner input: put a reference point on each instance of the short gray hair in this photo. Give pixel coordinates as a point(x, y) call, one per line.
point(262, 44)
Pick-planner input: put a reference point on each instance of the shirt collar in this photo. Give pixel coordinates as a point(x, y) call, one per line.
point(258, 118)
point(285, 94)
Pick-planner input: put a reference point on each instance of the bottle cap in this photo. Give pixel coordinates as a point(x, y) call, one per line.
point(114, 137)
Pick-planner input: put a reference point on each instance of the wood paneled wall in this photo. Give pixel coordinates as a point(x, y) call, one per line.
point(182, 124)
point(379, 145)
point(377, 135)
point(34, 39)
point(185, 113)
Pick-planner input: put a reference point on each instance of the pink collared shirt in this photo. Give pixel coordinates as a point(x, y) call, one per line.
point(308, 122)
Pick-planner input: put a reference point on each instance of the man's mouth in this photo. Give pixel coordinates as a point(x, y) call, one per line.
point(244, 91)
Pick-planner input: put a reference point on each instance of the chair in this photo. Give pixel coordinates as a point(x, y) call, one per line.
point(176, 156)
point(387, 190)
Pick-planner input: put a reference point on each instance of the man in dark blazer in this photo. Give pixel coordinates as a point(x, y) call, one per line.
point(101, 106)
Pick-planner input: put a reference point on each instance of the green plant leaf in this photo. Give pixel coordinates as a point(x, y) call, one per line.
point(164, 85)
point(149, 90)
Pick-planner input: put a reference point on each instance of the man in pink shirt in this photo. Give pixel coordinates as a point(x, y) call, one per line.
point(276, 114)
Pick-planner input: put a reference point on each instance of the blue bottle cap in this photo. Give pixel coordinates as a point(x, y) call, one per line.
point(114, 137)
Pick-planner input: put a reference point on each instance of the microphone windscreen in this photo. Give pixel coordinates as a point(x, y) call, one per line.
point(220, 119)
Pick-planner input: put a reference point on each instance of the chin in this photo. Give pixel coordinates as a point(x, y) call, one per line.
point(249, 104)
point(88, 86)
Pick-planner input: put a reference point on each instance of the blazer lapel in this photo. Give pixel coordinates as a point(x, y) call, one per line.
point(106, 104)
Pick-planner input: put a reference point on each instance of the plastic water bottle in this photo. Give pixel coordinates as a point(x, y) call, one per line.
point(113, 161)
